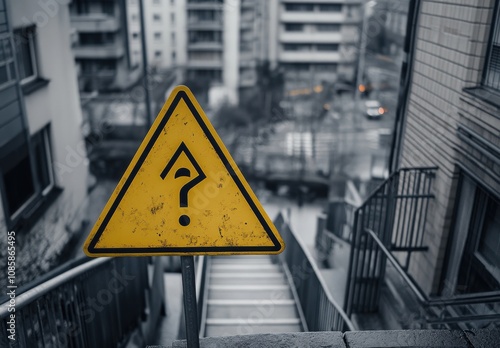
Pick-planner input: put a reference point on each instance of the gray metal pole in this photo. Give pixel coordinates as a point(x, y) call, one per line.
point(147, 100)
point(190, 308)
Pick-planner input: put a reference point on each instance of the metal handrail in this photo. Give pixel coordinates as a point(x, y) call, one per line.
point(42, 289)
point(95, 304)
point(291, 239)
point(426, 301)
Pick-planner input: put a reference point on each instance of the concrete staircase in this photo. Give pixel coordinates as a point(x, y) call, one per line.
point(248, 295)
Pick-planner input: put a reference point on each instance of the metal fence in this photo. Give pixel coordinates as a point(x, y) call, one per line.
point(96, 304)
point(321, 312)
point(396, 212)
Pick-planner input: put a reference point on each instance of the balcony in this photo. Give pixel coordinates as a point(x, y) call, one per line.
point(313, 17)
point(311, 37)
point(106, 51)
point(309, 57)
point(96, 23)
point(194, 23)
point(205, 45)
point(205, 6)
point(205, 64)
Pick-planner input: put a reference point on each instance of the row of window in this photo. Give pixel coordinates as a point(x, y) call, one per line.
point(309, 67)
point(308, 7)
point(311, 47)
point(300, 27)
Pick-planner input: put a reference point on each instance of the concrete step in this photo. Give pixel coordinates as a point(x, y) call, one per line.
point(272, 278)
point(230, 327)
point(249, 292)
point(244, 268)
point(268, 309)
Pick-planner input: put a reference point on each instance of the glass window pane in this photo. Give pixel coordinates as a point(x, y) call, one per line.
point(489, 246)
point(24, 58)
point(41, 160)
point(18, 183)
point(3, 74)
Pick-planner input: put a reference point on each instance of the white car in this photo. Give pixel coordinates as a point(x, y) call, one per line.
point(374, 109)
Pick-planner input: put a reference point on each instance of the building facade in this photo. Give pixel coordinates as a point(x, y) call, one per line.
point(43, 181)
point(425, 245)
point(316, 40)
point(165, 33)
point(107, 45)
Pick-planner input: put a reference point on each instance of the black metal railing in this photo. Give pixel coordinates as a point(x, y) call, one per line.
point(396, 212)
point(446, 312)
point(388, 227)
point(321, 312)
point(96, 304)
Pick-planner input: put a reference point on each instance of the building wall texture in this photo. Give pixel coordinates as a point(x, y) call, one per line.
point(451, 46)
point(57, 104)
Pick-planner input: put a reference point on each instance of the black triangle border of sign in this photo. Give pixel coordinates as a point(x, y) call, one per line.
point(183, 95)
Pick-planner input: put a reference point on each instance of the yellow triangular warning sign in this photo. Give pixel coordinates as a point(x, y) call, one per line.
point(182, 194)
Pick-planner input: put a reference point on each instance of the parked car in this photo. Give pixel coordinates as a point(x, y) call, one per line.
point(373, 109)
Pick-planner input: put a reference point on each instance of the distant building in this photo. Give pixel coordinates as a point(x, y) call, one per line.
point(43, 167)
point(255, 23)
point(107, 45)
point(166, 33)
point(315, 40)
point(438, 215)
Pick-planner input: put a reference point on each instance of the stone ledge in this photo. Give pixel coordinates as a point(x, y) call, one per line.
point(356, 339)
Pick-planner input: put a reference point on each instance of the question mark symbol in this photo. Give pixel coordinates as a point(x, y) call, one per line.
point(184, 220)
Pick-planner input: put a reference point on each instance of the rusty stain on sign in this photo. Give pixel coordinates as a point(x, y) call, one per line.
point(182, 194)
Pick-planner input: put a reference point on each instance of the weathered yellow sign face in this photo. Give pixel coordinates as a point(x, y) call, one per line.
point(182, 194)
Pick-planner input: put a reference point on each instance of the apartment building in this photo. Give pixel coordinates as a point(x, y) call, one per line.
point(107, 45)
point(425, 245)
point(316, 40)
point(254, 46)
point(43, 171)
point(165, 23)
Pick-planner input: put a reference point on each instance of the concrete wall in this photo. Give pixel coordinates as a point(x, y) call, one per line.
point(231, 40)
point(451, 45)
point(357, 339)
point(56, 104)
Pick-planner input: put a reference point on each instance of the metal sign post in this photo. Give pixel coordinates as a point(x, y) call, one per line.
point(190, 308)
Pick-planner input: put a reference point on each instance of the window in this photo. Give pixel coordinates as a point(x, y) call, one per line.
point(43, 160)
point(491, 77)
point(158, 54)
point(173, 56)
point(156, 2)
point(172, 18)
point(18, 179)
point(134, 17)
point(96, 38)
point(157, 35)
point(330, 8)
point(157, 17)
point(26, 53)
point(297, 47)
point(475, 247)
point(327, 47)
point(135, 35)
point(299, 7)
point(7, 69)
point(294, 27)
point(328, 27)
point(23, 179)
